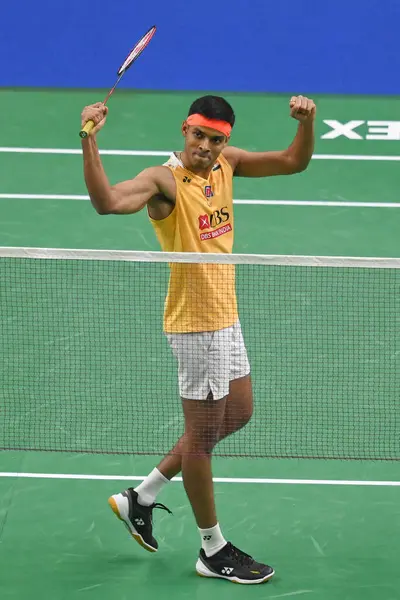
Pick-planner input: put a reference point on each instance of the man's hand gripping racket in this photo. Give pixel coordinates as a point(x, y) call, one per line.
point(94, 116)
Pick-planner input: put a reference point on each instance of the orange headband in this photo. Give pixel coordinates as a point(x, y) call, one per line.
point(222, 126)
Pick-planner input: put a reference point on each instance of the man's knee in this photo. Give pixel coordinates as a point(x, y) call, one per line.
point(202, 439)
point(239, 420)
point(203, 421)
point(241, 401)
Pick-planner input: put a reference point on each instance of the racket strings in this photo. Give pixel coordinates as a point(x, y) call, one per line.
point(137, 50)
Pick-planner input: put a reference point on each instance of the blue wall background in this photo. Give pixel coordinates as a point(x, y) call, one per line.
point(344, 46)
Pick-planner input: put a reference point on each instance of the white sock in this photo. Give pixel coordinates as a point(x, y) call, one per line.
point(212, 540)
point(150, 487)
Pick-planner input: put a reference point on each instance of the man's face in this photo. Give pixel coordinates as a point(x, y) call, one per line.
point(203, 145)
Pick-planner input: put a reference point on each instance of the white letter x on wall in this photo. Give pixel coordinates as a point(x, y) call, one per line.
point(345, 129)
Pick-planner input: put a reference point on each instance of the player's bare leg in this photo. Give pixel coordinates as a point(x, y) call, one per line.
point(203, 429)
point(238, 412)
point(203, 422)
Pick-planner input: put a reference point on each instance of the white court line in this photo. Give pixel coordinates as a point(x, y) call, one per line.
point(10, 150)
point(355, 157)
point(345, 203)
point(43, 197)
point(215, 479)
point(236, 201)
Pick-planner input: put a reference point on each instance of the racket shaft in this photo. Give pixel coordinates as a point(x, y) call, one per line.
point(85, 131)
point(110, 93)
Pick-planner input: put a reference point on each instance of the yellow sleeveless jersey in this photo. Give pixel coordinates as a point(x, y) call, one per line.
point(201, 297)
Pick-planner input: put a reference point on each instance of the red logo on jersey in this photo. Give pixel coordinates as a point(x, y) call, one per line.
point(204, 222)
point(208, 191)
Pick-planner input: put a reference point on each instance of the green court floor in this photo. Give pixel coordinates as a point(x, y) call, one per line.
point(58, 538)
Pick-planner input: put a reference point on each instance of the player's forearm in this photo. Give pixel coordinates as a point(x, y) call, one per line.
point(301, 150)
point(96, 180)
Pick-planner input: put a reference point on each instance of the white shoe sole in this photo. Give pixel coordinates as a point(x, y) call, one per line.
point(120, 506)
point(204, 571)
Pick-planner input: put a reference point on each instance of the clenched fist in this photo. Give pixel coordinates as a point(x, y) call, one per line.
point(96, 113)
point(303, 109)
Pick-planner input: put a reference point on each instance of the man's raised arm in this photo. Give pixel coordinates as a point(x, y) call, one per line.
point(123, 198)
point(285, 162)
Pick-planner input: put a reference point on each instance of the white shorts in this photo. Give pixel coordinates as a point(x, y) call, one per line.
point(208, 361)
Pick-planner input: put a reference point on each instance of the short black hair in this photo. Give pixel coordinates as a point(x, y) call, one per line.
point(213, 107)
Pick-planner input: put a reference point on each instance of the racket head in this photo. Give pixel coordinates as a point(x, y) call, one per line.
point(136, 50)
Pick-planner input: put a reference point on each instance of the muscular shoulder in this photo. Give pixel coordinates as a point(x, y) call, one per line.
point(161, 205)
point(164, 180)
point(159, 174)
point(232, 155)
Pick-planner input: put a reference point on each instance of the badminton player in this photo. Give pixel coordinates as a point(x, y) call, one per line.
point(189, 203)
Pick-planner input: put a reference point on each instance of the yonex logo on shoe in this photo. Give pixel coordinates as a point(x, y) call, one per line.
point(206, 538)
point(139, 522)
point(227, 570)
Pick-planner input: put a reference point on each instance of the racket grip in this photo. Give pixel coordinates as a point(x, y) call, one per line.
point(85, 131)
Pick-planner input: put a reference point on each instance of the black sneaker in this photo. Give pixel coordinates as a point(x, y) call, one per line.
point(137, 518)
point(233, 564)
